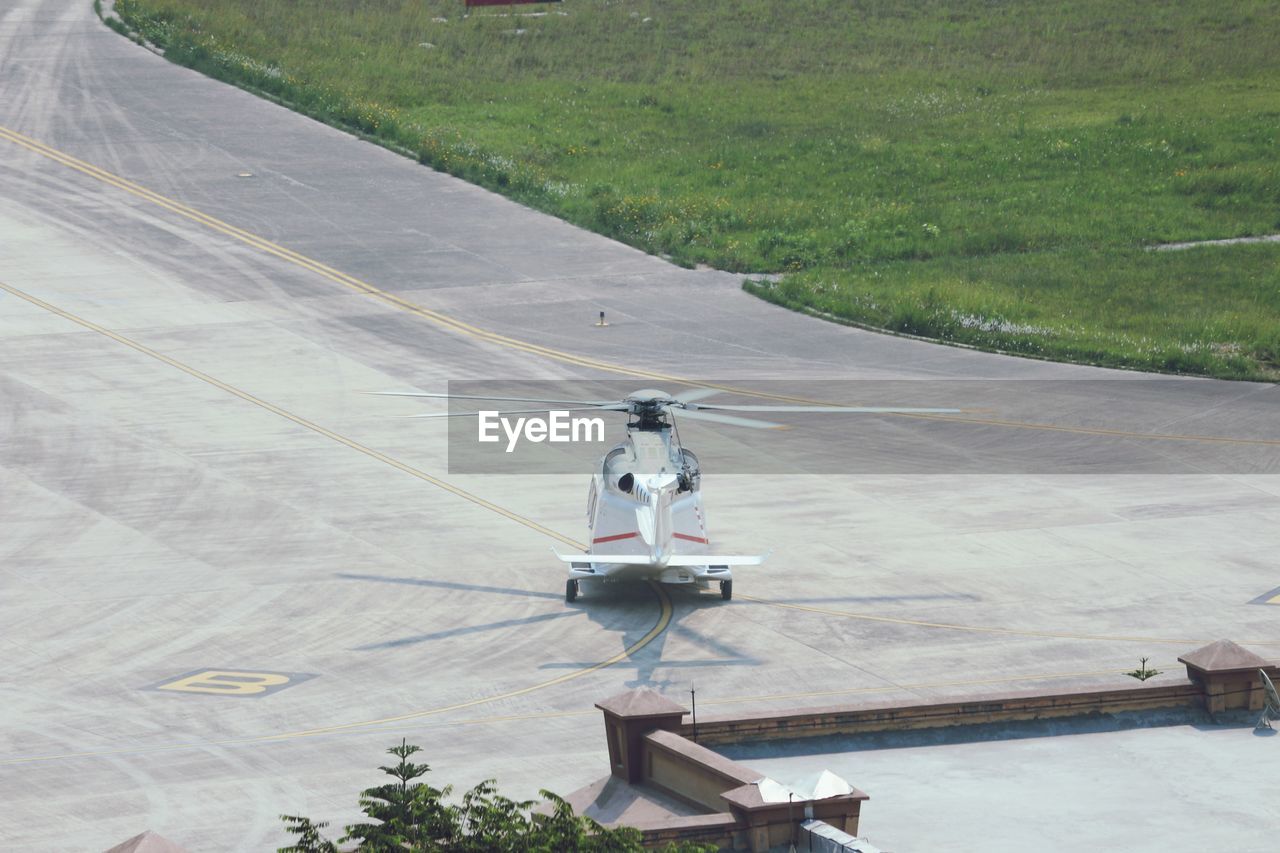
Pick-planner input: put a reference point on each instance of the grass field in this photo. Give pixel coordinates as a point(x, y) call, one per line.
point(987, 173)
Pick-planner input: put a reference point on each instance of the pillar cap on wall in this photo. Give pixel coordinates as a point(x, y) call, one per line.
point(1222, 657)
point(639, 704)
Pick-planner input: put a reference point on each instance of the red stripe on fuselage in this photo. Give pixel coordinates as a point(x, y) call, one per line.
point(691, 538)
point(616, 537)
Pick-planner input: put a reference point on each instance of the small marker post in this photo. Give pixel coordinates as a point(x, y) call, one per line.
point(693, 695)
point(601, 322)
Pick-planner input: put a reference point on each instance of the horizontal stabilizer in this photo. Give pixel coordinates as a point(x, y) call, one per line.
point(716, 559)
point(673, 560)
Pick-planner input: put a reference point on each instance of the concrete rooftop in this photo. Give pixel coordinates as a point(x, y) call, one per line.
point(1166, 789)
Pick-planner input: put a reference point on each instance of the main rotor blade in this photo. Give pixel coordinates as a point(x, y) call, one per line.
point(715, 417)
point(695, 394)
point(866, 410)
point(497, 399)
point(543, 410)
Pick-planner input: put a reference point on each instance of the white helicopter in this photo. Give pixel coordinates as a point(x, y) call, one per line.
point(644, 507)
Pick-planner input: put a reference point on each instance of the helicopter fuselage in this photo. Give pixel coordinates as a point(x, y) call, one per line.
point(644, 512)
point(646, 499)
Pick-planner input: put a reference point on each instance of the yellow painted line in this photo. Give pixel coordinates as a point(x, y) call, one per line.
point(297, 419)
point(470, 330)
point(305, 262)
point(982, 629)
point(664, 617)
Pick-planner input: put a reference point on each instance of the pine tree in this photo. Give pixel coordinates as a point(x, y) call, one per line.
point(408, 816)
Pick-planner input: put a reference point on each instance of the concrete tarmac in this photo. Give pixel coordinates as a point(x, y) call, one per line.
point(190, 481)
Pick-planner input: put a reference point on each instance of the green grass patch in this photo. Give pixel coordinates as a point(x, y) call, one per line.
point(1110, 307)
point(994, 160)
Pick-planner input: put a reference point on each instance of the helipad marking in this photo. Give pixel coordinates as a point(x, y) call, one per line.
point(232, 682)
point(1272, 597)
point(456, 325)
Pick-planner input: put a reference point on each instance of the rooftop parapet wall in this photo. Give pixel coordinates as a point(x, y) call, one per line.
point(909, 716)
point(698, 775)
point(692, 772)
point(1221, 676)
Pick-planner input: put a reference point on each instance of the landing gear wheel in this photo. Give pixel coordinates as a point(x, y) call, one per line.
point(726, 590)
point(570, 590)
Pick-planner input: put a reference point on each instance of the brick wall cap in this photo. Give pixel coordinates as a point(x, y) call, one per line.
point(1134, 689)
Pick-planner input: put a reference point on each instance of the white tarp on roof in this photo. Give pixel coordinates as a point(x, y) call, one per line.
point(822, 785)
point(818, 786)
point(773, 791)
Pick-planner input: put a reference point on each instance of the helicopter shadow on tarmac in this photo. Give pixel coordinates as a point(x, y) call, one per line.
point(463, 630)
point(604, 605)
point(612, 608)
